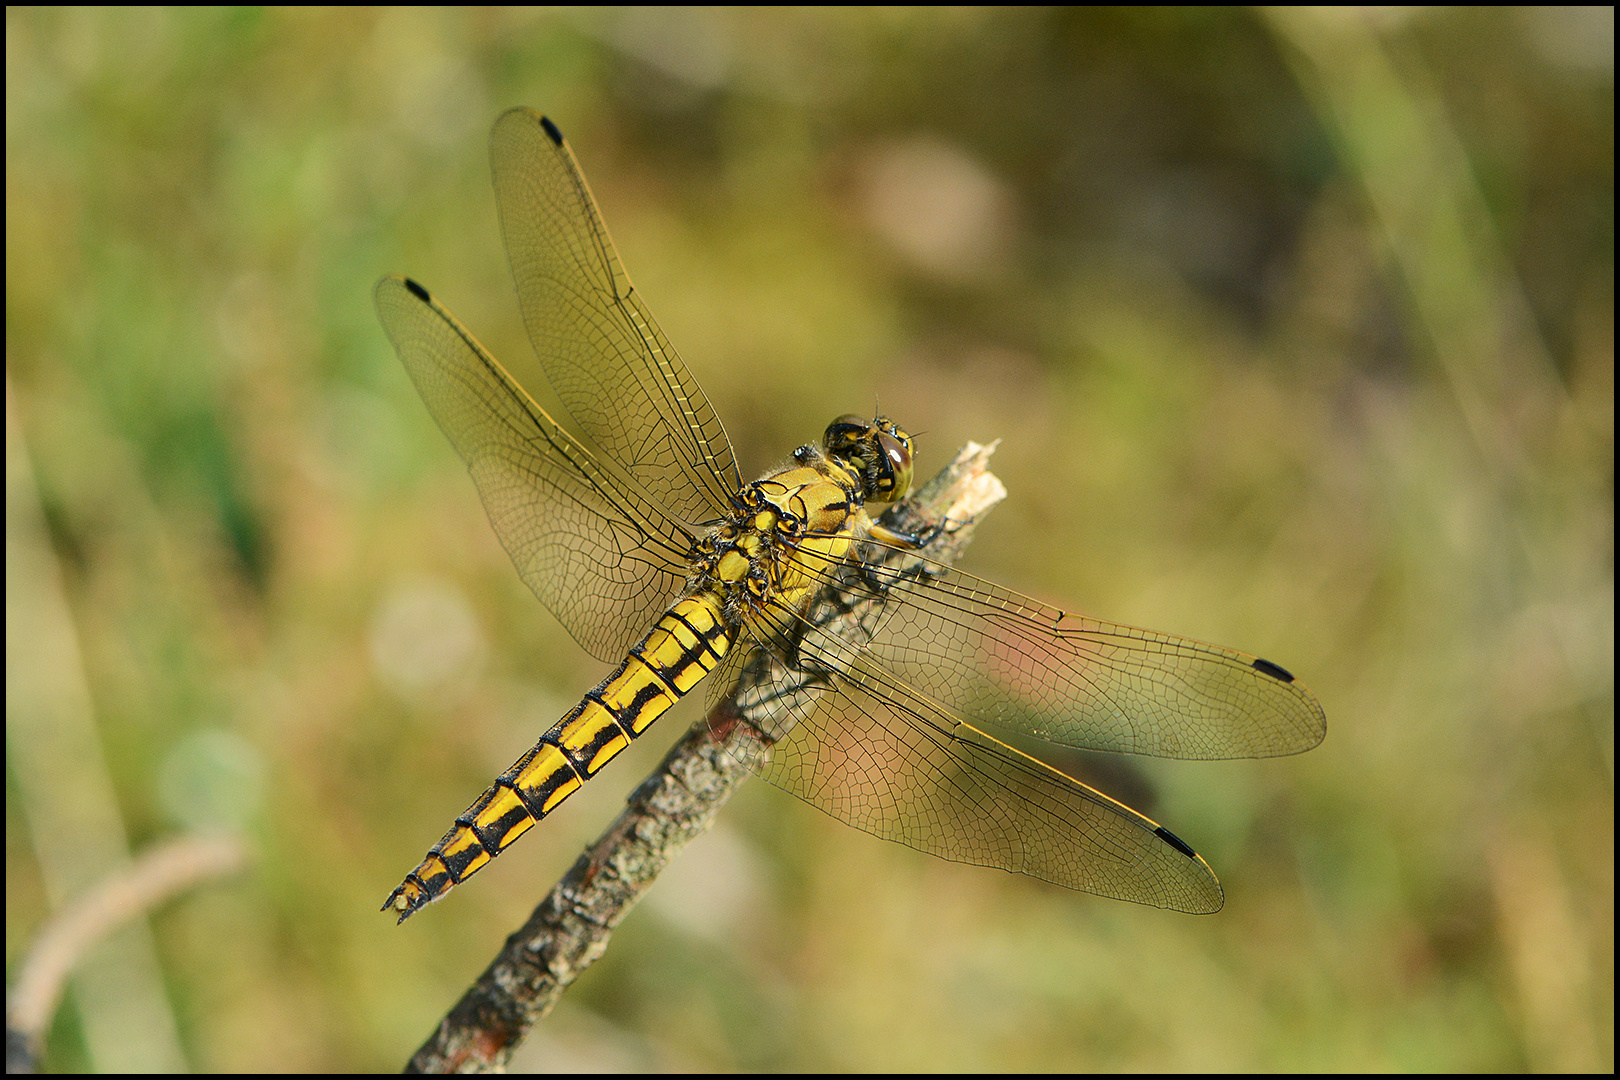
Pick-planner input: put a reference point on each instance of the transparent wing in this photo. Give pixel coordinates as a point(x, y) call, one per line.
point(616, 373)
point(876, 754)
point(598, 553)
point(888, 723)
point(998, 657)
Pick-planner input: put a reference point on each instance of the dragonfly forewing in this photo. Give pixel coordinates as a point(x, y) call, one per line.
point(612, 367)
point(1008, 660)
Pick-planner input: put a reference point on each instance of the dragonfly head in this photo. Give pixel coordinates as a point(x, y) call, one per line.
point(876, 450)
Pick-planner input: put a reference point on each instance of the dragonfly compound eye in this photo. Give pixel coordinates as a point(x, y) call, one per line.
point(877, 450)
point(894, 467)
point(845, 434)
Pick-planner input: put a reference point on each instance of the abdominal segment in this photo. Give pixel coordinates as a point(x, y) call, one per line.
point(687, 643)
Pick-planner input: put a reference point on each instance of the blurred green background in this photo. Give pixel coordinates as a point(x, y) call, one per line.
point(1297, 328)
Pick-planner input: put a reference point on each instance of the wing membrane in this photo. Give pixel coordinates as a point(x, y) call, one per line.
point(600, 555)
point(997, 656)
point(875, 754)
point(616, 373)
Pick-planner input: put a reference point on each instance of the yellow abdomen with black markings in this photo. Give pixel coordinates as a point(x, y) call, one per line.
point(746, 572)
point(685, 645)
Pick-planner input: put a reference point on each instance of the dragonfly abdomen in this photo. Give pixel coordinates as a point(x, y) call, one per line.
point(686, 644)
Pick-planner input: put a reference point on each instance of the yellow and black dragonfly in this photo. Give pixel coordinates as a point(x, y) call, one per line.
point(642, 537)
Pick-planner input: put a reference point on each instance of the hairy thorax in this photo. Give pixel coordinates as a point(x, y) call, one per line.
point(784, 525)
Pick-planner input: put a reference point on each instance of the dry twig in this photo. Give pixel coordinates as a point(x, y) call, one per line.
point(570, 929)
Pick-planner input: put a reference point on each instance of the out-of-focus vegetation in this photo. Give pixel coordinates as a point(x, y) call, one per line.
point(1297, 328)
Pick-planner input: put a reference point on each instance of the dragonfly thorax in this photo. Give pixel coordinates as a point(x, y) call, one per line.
point(805, 515)
point(739, 557)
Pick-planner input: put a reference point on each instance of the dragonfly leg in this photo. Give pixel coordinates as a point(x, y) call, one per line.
point(905, 541)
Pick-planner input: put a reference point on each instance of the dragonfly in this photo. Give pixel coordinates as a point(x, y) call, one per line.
point(637, 530)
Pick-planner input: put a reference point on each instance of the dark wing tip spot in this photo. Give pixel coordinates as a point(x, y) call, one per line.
point(417, 291)
point(1266, 667)
point(1175, 841)
point(551, 130)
